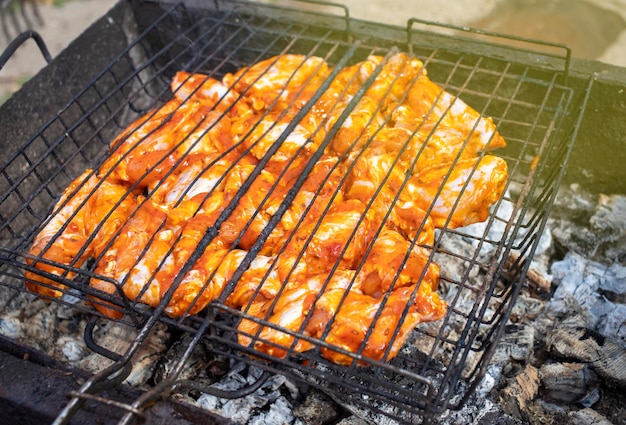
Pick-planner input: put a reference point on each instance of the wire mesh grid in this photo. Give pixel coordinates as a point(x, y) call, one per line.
point(440, 362)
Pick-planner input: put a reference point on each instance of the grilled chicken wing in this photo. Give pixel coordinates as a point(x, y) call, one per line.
point(205, 281)
point(251, 216)
point(258, 283)
point(153, 247)
point(186, 86)
point(289, 311)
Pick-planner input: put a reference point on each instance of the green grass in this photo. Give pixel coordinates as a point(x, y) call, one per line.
point(17, 84)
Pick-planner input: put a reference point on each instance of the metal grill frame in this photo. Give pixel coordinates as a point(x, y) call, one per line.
point(532, 107)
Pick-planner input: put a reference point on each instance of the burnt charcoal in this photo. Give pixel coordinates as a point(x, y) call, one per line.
point(602, 237)
point(572, 237)
point(579, 278)
point(516, 344)
point(574, 204)
point(590, 398)
point(352, 420)
point(518, 395)
point(316, 409)
point(272, 402)
point(609, 223)
point(568, 382)
point(199, 360)
point(587, 416)
point(606, 356)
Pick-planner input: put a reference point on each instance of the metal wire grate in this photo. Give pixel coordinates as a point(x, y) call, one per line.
point(441, 362)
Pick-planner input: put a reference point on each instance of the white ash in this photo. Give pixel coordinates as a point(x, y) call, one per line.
point(597, 231)
point(58, 330)
point(72, 348)
point(587, 416)
point(496, 230)
point(587, 282)
point(11, 326)
point(268, 404)
point(588, 279)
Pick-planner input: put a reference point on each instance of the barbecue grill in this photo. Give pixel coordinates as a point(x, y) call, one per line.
point(84, 105)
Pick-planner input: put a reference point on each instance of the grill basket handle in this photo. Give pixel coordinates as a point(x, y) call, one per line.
point(21, 39)
point(342, 10)
point(513, 43)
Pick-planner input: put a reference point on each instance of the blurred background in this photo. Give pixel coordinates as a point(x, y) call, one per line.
point(593, 29)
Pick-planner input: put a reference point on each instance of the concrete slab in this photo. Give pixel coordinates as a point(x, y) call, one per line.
point(594, 29)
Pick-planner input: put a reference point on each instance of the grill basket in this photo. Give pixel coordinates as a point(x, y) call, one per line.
point(482, 267)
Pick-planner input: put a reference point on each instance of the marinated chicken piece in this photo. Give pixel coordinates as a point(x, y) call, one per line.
point(461, 192)
point(376, 328)
point(198, 87)
point(442, 144)
point(358, 126)
point(205, 281)
point(372, 173)
point(278, 79)
point(250, 216)
point(412, 222)
point(87, 215)
point(319, 191)
point(339, 238)
point(324, 114)
point(267, 131)
point(376, 177)
point(258, 283)
point(133, 258)
point(388, 87)
point(396, 75)
point(152, 248)
point(430, 143)
point(143, 127)
point(393, 262)
point(176, 186)
point(196, 175)
point(395, 141)
point(438, 107)
point(365, 117)
point(146, 155)
point(289, 311)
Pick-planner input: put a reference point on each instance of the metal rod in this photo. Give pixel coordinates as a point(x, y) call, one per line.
point(18, 41)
